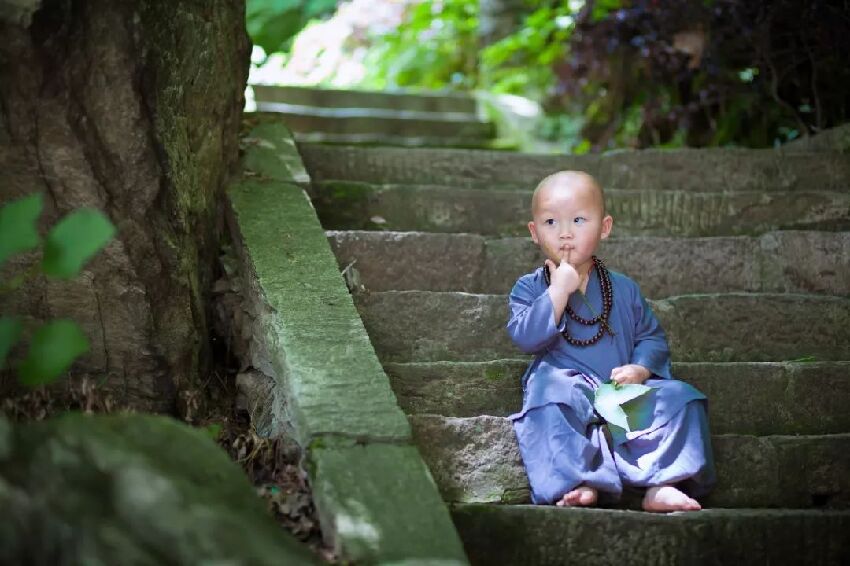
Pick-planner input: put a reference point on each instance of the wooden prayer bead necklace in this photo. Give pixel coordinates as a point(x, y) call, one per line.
point(607, 303)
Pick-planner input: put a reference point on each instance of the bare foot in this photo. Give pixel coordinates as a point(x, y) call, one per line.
point(666, 498)
point(582, 496)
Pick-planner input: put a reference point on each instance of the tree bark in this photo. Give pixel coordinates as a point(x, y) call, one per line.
point(132, 108)
point(499, 18)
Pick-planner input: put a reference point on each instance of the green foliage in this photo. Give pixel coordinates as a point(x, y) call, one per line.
point(74, 240)
point(18, 231)
point(53, 348)
point(521, 63)
point(612, 402)
point(434, 48)
point(69, 245)
point(273, 23)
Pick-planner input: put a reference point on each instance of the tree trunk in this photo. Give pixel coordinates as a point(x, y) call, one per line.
point(132, 108)
point(498, 19)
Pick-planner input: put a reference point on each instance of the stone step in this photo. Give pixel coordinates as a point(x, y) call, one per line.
point(550, 536)
point(382, 139)
point(744, 398)
point(476, 460)
point(375, 125)
point(348, 205)
point(429, 326)
point(776, 262)
point(436, 101)
point(689, 170)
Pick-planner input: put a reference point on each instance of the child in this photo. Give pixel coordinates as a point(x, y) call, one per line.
point(579, 342)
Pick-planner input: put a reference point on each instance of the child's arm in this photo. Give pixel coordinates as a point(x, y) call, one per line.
point(651, 350)
point(532, 322)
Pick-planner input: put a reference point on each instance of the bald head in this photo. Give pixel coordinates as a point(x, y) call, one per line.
point(576, 182)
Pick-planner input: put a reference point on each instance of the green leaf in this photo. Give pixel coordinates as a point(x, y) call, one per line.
point(18, 225)
point(609, 398)
point(74, 240)
point(10, 331)
point(53, 349)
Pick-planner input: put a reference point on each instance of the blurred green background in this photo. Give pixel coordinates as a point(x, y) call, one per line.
point(609, 74)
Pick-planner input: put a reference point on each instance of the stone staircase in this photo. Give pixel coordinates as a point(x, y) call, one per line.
point(745, 256)
point(377, 118)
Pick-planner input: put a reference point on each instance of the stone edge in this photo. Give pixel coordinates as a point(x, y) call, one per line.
point(263, 162)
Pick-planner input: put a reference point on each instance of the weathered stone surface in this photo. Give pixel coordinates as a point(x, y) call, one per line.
point(382, 504)
point(346, 205)
point(397, 100)
point(132, 108)
point(131, 489)
point(330, 389)
point(428, 326)
point(744, 398)
point(255, 395)
point(834, 140)
point(270, 150)
point(401, 140)
point(378, 124)
point(793, 261)
point(357, 206)
point(549, 536)
point(472, 460)
point(305, 331)
point(477, 460)
point(753, 327)
point(411, 260)
point(686, 170)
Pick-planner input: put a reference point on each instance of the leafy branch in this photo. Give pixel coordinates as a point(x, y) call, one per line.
point(68, 246)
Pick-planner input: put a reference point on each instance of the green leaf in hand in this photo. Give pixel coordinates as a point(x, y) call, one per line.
point(53, 349)
point(18, 225)
point(10, 331)
point(74, 240)
point(611, 396)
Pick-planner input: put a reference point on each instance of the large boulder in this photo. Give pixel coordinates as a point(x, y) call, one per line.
point(132, 108)
point(129, 489)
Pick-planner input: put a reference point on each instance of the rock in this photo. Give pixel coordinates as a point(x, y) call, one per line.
point(131, 489)
point(254, 394)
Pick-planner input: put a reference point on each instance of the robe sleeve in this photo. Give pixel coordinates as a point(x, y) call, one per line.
point(651, 350)
point(532, 322)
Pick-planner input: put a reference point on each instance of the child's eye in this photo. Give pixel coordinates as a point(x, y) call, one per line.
point(549, 221)
point(580, 220)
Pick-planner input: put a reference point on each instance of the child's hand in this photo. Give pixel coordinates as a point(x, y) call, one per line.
point(564, 278)
point(630, 373)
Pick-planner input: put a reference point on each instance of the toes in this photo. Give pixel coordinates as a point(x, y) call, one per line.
point(581, 496)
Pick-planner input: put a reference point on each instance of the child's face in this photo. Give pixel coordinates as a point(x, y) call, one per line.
point(569, 221)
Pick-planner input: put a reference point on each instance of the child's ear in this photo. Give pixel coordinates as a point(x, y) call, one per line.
point(607, 223)
point(533, 229)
